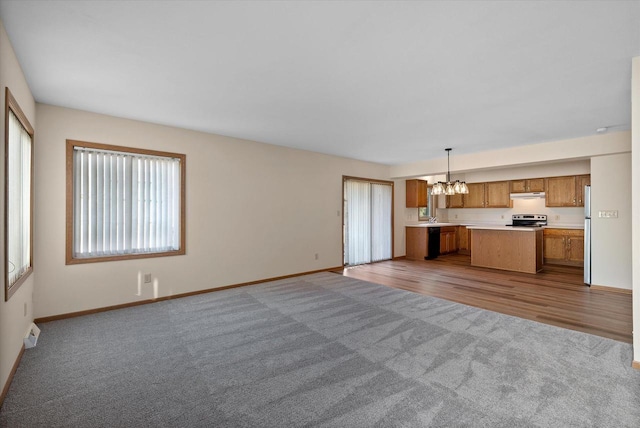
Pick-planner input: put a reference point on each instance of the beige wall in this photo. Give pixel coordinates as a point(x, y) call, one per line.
point(611, 237)
point(254, 211)
point(14, 323)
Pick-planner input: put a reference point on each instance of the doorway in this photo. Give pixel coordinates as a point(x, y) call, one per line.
point(367, 220)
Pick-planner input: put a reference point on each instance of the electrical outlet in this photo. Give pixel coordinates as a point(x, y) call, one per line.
point(455, 216)
point(25, 309)
point(502, 217)
point(557, 217)
point(317, 256)
point(147, 278)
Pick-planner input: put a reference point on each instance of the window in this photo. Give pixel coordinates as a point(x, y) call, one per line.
point(424, 213)
point(18, 196)
point(123, 203)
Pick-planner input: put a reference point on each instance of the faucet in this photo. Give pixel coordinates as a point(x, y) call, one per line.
point(433, 219)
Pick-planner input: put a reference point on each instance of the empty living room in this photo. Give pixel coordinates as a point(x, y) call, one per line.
point(320, 213)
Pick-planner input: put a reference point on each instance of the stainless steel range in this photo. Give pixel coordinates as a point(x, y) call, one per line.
point(528, 220)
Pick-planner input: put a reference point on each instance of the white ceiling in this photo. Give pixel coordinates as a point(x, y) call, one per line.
point(389, 82)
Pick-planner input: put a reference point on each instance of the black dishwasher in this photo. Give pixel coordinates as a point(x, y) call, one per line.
point(433, 246)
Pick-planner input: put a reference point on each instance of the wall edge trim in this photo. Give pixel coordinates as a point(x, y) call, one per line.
point(12, 373)
point(611, 289)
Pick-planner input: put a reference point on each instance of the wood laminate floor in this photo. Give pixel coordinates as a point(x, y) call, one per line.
point(555, 296)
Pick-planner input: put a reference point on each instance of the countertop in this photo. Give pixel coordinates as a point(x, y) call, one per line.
point(512, 228)
point(432, 224)
point(495, 226)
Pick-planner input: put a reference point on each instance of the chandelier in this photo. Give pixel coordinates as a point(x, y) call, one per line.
point(449, 188)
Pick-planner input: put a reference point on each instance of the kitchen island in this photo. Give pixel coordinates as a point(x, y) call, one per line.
point(516, 249)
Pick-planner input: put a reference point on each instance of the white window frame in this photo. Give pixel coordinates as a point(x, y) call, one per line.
point(122, 245)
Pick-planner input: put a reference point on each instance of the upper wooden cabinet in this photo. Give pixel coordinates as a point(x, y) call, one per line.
point(526, 186)
point(482, 195)
point(416, 193)
point(560, 192)
point(566, 191)
point(475, 197)
point(581, 181)
point(455, 201)
point(497, 194)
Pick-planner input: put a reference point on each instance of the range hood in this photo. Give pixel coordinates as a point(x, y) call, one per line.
point(528, 195)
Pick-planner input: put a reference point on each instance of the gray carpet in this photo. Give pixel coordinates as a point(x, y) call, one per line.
point(321, 350)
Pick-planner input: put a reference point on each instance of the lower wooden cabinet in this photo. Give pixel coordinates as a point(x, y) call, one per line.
point(464, 240)
point(417, 241)
point(448, 240)
point(564, 246)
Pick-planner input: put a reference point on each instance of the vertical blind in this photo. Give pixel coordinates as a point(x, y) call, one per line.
point(358, 222)
point(367, 235)
point(125, 203)
point(19, 197)
point(380, 222)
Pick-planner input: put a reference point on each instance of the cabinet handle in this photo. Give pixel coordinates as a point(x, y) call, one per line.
point(569, 244)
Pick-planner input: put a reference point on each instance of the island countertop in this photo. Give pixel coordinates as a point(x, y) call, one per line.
point(514, 228)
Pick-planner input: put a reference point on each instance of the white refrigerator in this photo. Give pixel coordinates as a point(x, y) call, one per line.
point(587, 235)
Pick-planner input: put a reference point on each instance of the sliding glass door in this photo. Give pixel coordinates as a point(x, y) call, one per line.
point(368, 221)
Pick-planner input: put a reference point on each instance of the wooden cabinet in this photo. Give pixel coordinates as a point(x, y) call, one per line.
point(581, 181)
point(416, 193)
point(475, 197)
point(575, 249)
point(566, 191)
point(518, 250)
point(526, 186)
point(497, 194)
point(464, 241)
point(448, 241)
point(417, 241)
point(564, 246)
point(455, 201)
point(482, 195)
point(560, 192)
